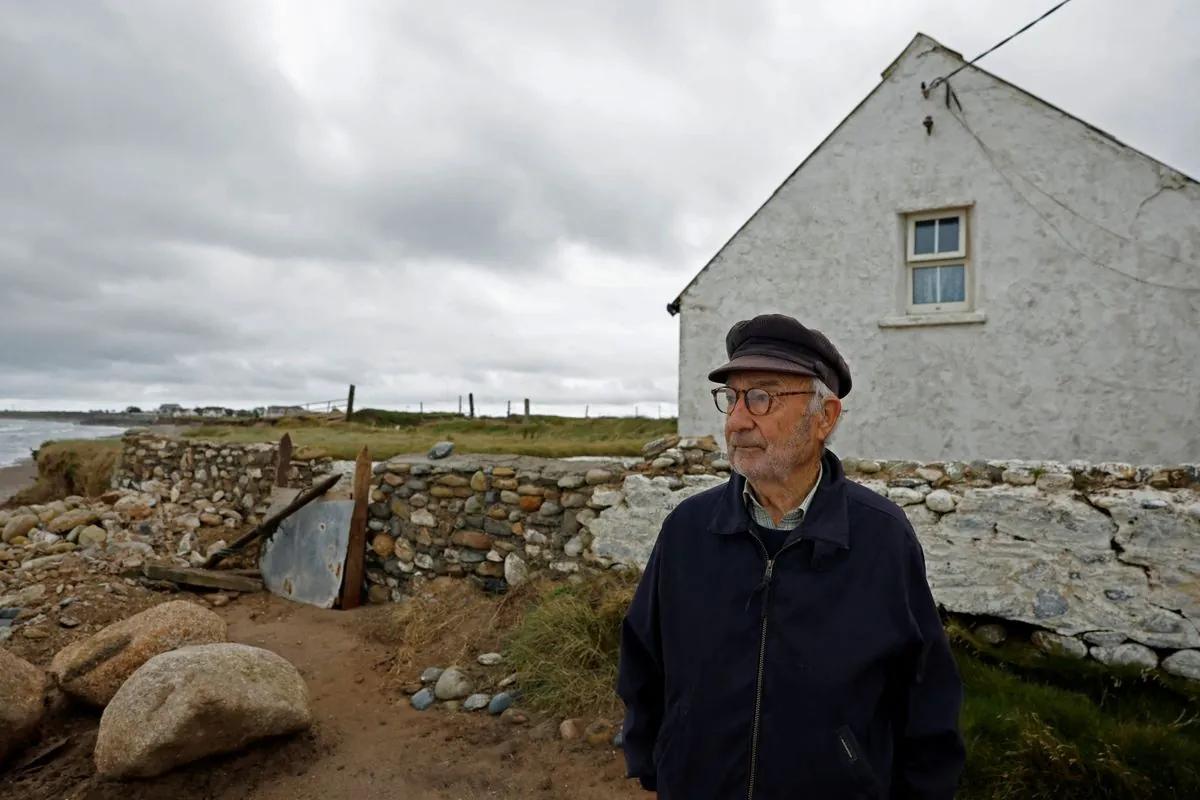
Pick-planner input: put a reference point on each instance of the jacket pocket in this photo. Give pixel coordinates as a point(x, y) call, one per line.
point(856, 763)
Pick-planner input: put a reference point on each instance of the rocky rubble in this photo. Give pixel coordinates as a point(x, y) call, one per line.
point(77, 563)
point(455, 689)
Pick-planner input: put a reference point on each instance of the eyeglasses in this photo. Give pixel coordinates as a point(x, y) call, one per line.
point(758, 401)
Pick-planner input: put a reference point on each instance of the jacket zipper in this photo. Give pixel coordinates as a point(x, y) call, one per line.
point(762, 653)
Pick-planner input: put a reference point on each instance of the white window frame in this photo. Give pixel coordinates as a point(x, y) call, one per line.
point(946, 259)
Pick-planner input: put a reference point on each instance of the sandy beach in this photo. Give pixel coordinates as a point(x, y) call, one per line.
point(14, 479)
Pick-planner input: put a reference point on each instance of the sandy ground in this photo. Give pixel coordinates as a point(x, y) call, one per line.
point(14, 479)
point(368, 741)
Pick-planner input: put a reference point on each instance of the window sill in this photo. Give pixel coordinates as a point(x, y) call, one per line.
point(929, 320)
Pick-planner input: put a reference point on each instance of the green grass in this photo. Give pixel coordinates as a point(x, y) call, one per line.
point(1030, 739)
point(389, 433)
point(1036, 728)
point(565, 647)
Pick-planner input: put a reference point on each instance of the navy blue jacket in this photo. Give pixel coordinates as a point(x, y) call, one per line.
point(822, 673)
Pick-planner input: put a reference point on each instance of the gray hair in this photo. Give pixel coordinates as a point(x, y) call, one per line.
point(821, 393)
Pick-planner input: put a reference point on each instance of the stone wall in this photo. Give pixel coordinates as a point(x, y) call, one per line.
point(219, 484)
point(502, 519)
point(1087, 560)
point(1096, 561)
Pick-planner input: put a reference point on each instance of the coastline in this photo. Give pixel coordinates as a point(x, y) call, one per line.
point(17, 477)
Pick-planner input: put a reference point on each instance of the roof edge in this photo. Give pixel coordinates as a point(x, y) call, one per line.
point(919, 39)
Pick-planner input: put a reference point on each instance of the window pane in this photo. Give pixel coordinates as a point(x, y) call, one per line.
point(952, 284)
point(947, 235)
point(924, 238)
point(935, 285)
point(925, 285)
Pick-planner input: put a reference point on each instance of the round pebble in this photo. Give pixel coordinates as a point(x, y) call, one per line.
point(500, 703)
point(452, 685)
point(476, 702)
point(423, 699)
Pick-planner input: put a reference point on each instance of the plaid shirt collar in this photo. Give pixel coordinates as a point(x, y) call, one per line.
point(790, 520)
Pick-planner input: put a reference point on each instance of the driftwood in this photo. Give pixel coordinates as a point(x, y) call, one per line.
point(202, 578)
point(269, 525)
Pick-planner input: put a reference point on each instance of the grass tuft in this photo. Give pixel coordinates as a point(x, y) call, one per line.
point(78, 467)
point(565, 647)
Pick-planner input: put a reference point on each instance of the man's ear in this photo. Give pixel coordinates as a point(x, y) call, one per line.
point(831, 413)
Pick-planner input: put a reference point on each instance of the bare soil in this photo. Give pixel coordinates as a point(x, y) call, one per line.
point(368, 741)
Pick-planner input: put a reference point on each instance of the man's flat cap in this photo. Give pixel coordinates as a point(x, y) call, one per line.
point(779, 343)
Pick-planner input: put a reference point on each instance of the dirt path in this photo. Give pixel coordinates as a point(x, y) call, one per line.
point(368, 742)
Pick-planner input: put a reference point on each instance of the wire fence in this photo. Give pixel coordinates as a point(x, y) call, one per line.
point(499, 408)
point(487, 406)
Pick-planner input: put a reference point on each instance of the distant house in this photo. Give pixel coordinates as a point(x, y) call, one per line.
point(170, 410)
point(1004, 279)
point(283, 411)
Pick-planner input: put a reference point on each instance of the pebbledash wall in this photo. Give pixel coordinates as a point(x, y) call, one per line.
point(1094, 561)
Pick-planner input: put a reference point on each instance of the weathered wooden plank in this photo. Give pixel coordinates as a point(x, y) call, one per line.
point(356, 549)
point(284, 463)
point(202, 578)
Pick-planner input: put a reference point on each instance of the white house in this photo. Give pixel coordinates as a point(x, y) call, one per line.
point(1004, 280)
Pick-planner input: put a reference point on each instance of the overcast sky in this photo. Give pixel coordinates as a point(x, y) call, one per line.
point(249, 202)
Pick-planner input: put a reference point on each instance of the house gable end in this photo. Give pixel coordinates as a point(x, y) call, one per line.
point(920, 45)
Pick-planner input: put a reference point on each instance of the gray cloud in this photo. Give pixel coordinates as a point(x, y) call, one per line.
point(260, 202)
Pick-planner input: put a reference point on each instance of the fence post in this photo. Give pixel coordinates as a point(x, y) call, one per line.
point(350, 404)
point(460, 405)
point(356, 548)
point(508, 412)
point(471, 403)
point(526, 410)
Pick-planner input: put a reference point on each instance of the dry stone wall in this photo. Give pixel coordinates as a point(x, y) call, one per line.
point(218, 484)
point(1098, 561)
point(501, 520)
point(1094, 561)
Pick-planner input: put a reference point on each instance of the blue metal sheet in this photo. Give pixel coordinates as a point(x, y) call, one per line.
point(303, 561)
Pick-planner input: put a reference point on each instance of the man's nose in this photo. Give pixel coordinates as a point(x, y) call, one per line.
point(739, 419)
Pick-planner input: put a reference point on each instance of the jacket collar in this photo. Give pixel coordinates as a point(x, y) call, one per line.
point(827, 519)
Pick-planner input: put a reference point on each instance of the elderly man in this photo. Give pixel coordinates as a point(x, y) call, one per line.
point(783, 643)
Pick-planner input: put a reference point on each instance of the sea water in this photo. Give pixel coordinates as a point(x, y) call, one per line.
point(20, 437)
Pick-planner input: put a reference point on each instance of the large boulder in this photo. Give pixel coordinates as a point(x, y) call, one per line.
point(195, 702)
point(93, 669)
point(22, 702)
